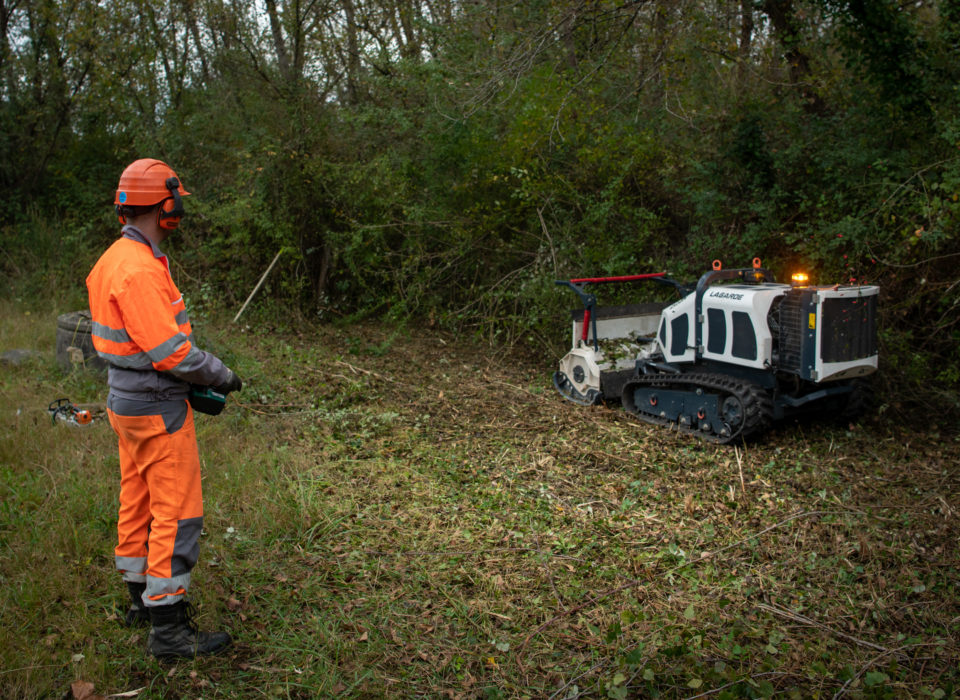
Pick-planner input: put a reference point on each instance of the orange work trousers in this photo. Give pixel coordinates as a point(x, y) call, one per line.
point(161, 504)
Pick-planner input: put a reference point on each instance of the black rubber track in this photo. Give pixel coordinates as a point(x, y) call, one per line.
point(757, 403)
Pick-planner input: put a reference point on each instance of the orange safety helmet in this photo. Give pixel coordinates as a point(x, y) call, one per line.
point(147, 182)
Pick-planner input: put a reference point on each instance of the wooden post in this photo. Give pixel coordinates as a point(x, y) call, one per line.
point(263, 278)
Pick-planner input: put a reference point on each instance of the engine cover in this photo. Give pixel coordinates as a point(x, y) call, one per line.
point(829, 333)
point(733, 326)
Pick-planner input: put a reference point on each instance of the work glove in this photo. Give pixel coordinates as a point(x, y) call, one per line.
point(233, 383)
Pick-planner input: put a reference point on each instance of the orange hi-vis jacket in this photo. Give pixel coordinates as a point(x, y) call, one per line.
point(140, 325)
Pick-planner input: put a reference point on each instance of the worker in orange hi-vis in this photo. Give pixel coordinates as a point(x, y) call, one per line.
point(141, 328)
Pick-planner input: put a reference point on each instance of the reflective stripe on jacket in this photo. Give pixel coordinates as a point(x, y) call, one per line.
point(140, 324)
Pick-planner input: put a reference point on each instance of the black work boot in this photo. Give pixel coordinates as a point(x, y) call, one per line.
point(175, 635)
point(137, 615)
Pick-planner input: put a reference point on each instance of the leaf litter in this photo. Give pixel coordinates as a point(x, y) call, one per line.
point(594, 548)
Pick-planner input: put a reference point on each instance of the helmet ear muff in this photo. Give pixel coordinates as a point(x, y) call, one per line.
point(121, 215)
point(171, 209)
point(167, 216)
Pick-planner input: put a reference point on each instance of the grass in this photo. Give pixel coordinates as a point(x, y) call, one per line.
point(407, 514)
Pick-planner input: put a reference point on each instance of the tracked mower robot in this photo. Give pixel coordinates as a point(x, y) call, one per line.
point(737, 352)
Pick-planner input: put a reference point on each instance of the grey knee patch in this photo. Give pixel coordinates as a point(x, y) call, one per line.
point(186, 546)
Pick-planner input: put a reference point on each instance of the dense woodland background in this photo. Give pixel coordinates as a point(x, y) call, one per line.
point(445, 161)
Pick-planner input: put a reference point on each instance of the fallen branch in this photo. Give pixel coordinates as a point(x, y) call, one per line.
point(741, 680)
point(796, 617)
point(361, 370)
point(871, 662)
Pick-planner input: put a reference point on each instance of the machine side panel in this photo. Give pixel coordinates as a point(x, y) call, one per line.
point(736, 329)
point(677, 332)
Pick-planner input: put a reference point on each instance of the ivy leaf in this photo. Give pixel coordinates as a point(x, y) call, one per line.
point(617, 692)
point(875, 678)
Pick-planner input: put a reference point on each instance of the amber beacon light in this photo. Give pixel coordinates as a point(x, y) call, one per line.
point(800, 279)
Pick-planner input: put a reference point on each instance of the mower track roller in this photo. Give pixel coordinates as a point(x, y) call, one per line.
point(715, 407)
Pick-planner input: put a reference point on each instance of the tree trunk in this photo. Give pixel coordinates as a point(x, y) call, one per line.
point(353, 52)
point(746, 40)
point(405, 10)
point(194, 30)
point(786, 27)
point(279, 43)
point(6, 63)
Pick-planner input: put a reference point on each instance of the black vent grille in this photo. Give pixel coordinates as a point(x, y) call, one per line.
point(791, 331)
point(848, 329)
